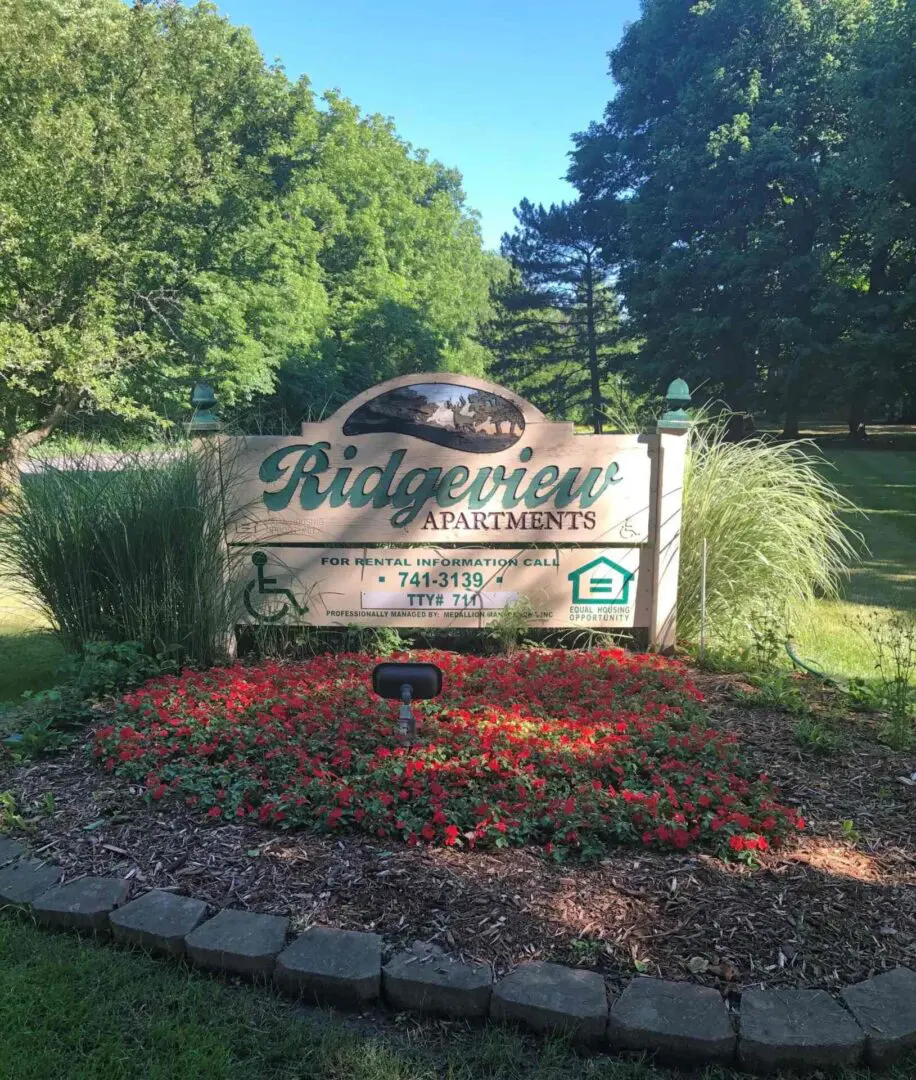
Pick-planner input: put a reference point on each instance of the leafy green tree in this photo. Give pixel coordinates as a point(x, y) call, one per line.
point(560, 331)
point(400, 257)
point(712, 170)
point(173, 209)
point(142, 201)
point(878, 172)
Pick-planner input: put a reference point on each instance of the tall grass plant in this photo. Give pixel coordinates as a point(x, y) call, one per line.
point(135, 553)
point(772, 520)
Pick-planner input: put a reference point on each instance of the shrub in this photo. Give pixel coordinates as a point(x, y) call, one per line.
point(136, 553)
point(510, 625)
point(49, 719)
point(572, 751)
point(771, 521)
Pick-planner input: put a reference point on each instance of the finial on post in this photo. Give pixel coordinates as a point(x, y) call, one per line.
point(675, 417)
point(203, 402)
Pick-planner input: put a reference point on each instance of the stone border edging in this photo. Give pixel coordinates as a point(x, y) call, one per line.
point(681, 1023)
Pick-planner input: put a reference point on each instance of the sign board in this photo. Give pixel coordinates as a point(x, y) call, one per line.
point(445, 460)
point(427, 586)
point(320, 523)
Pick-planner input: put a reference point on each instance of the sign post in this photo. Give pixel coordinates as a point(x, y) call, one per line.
point(437, 500)
point(673, 434)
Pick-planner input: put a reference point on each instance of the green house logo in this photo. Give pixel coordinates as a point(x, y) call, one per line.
point(601, 581)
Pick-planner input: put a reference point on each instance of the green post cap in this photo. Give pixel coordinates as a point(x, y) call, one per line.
point(203, 402)
point(677, 398)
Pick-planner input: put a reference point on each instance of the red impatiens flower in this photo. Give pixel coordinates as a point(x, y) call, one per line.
point(550, 748)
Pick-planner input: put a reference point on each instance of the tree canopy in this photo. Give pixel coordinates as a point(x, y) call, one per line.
point(749, 182)
point(171, 209)
point(559, 337)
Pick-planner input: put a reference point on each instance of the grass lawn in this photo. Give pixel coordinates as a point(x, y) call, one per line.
point(30, 655)
point(883, 483)
point(72, 1010)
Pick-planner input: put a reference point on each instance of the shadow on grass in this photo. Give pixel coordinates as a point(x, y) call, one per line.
point(835, 633)
point(29, 660)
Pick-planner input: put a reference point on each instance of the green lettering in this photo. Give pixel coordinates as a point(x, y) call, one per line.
point(545, 478)
point(511, 483)
point(446, 493)
point(411, 502)
point(567, 492)
point(591, 496)
point(377, 495)
point(475, 492)
point(335, 493)
point(312, 460)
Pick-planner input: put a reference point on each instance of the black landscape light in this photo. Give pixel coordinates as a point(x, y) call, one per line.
point(406, 683)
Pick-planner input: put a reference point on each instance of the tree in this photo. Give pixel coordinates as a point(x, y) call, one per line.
point(141, 213)
point(172, 209)
point(400, 257)
point(878, 171)
point(560, 330)
point(712, 166)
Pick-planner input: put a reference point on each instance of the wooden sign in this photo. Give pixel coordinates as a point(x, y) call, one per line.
point(319, 524)
point(441, 459)
point(436, 587)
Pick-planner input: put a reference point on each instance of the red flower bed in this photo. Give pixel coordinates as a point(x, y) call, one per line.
point(561, 749)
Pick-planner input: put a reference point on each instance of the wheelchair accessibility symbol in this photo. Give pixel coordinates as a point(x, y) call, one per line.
point(267, 587)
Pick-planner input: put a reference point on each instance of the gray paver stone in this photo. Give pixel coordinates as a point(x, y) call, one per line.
point(10, 850)
point(23, 881)
point(239, 942)
point(673, 1019)
point(796, 1029)
point(332, 967)
point(158, 921)
point(553, 997)
point(885, 1007)
point(424, 979)
point(81, 905)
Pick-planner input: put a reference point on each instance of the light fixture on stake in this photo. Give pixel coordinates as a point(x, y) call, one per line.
point(407, 683)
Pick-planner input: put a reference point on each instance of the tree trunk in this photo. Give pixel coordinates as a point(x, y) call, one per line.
point(593, 373)
point(857, 407)
point(792, 399)
point(13, 453)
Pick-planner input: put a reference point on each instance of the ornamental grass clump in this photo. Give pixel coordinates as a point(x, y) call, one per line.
point(134, 553)
point(567, 751)
point(773, 526)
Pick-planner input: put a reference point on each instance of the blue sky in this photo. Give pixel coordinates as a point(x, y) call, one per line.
point(493, 88)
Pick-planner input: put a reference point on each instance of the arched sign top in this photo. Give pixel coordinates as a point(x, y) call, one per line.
point(460, 412)
point(439, 499)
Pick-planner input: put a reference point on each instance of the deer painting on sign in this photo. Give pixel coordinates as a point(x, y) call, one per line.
point(491, 409)
point(477, 421)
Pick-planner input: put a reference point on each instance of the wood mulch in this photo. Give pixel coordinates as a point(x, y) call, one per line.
point(834, 907)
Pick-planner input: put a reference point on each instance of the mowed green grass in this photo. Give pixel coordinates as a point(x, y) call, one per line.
point(882, 482)
point(31, 656)
point(75, 1010)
